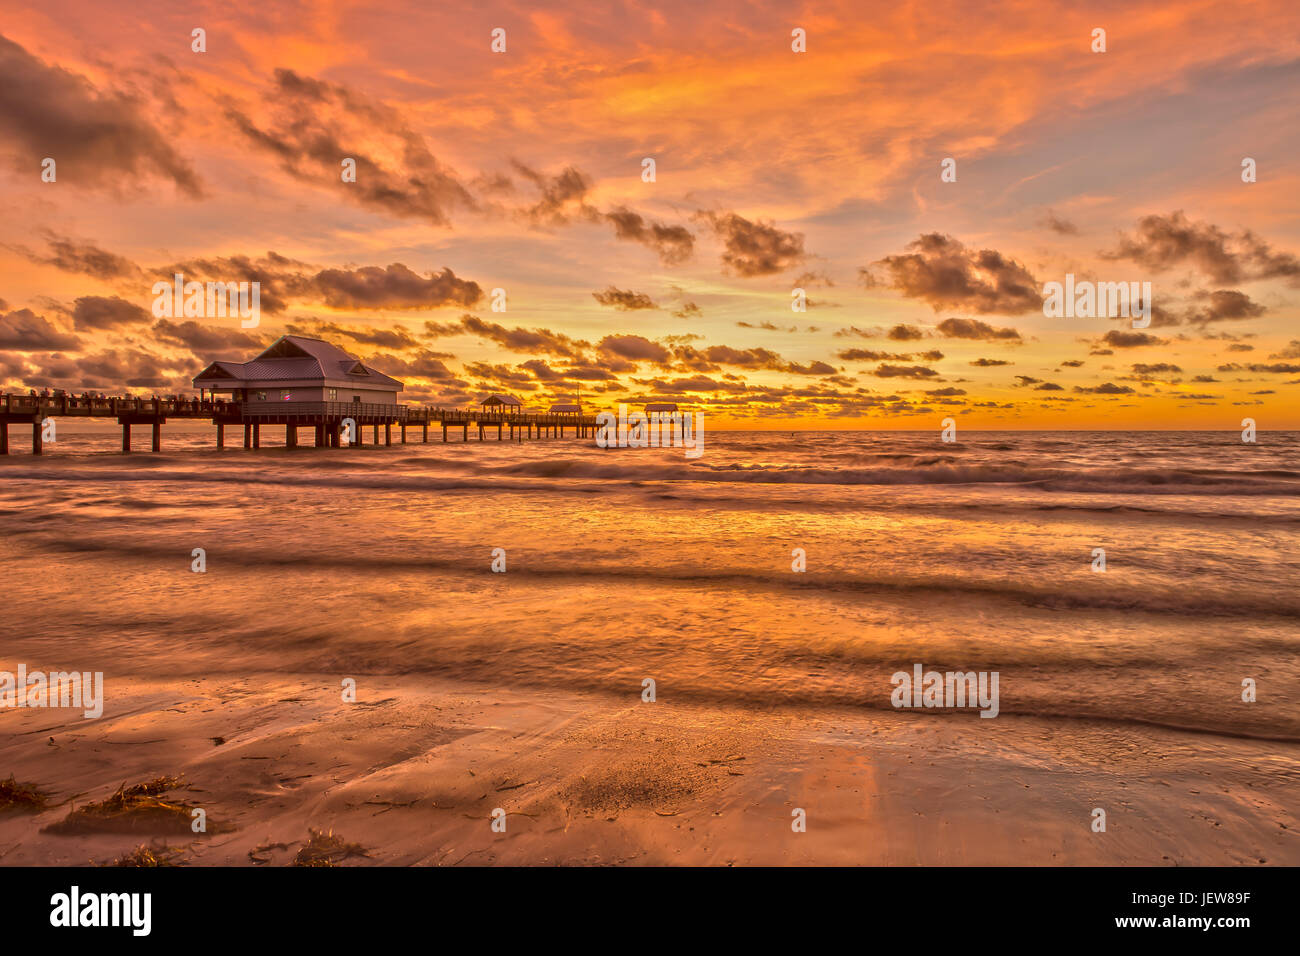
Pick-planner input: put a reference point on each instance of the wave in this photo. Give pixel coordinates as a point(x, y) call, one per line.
point(903, 586)
point(1167, 481)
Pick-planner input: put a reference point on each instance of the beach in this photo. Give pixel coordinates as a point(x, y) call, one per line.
point(524, 691)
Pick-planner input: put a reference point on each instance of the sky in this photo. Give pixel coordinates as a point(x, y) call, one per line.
point(775, 169)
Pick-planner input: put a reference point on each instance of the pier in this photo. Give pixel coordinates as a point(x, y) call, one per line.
point(326, 419)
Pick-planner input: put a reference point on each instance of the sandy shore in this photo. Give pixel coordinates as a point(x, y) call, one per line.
point(413, 770)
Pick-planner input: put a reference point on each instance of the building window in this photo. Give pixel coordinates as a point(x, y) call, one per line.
point(284, 394)
point(334, 394)
point(261, 396)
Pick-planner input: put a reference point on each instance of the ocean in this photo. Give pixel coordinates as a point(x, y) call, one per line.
point(627, 564)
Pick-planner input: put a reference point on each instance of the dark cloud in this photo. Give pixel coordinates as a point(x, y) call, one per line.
point(1130, 340)
point(1223, 305)
point(1109, 388)
point(393, 287)
point(1276, 369)
point(905, 333)
point(97, 137)
point(312, 126)
point(213, 342)
point(1059, 225)
point(1163, 242)
point(106, 312)
point(558, 193)
point(1159, 368)
point(516, 339)
point(634, 348)
point(989, 363)
point(624, 301)
point(85, 258)
point(674, 244)
point(108, 370)
point(941, 271)
point(869, 355)
point(904, 371)
point(975, 329)
point(25, 331)
point(423, 365)
point(812, 368)
point(754, 248)
point(394, 337)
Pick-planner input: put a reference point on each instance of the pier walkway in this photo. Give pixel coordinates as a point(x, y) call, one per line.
point(329, 420)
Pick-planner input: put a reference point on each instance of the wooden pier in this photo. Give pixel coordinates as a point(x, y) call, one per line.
point(326, 419)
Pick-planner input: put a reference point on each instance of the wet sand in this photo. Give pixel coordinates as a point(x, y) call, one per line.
point(413, 770)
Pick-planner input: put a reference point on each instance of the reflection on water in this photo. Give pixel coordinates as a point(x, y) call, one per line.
point(628, 563)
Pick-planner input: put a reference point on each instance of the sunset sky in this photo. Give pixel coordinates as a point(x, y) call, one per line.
point(522, 170)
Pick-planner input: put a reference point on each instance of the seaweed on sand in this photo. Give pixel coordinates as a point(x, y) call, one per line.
point(326, 849)
point(135, 809)
point(26, 797)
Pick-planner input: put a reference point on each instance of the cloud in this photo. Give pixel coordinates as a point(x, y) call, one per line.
point(635, 348)
point(1109, 388)
point(1276, 369)
point(394, 337)
point(869, 355)
point(624, 301)
point(25, 331)
point(393, 287)
point(904, 371)
point(311, 126)
point(423, 365)
point(1223, 305)
point(134, 368)
point(98, 138)
point(1163, 242)
point(942, 272)
point(1130, 340)
point(557, 192)
point(1062, 226)
point(1159, 368)
point(85, 258)
point(516, 339)
point(905, 333)
point(754, 248)
point(1291, 351)
point(106, 312)
point(975, 329)
point(989, 363)
point(281, 279)
point(674, 244)
point(214, 342)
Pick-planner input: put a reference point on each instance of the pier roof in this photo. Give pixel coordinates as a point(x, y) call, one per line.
point(297, 359)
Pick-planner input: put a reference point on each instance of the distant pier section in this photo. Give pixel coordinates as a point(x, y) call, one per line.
point(297, 383)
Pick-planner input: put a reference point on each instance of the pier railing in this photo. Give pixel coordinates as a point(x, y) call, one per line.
point(328, 418)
